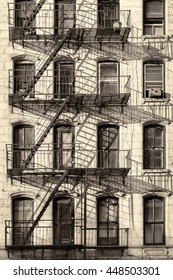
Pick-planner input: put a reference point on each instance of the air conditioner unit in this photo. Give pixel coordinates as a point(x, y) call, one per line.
point(117, 24)
point(155, 92)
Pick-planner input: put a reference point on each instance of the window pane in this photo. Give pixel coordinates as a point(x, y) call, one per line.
point(149, 233)
point(154, 9)
point(149, 158)
point(103, 211)
point(149, 137)
point(159, 229)
point(149, 210)
point(158, 157)
point(108, 70)
point(158, 210)
point(159, 137)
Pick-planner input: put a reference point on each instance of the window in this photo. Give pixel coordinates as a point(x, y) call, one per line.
point(23, 209)
point(153, 221)
point(107, 208)
point(154, 152)
point(153, 17)
point(64, 15)
point(24, 72)
point(108, 13)
point(63, 79)
point(108, 146)
point(64, 146)
point(23, 140)
point(63, 220)
point(22, 12)
point(154, 80)
point(108, 78)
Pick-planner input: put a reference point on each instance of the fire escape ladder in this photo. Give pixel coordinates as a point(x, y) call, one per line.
point(46, 62)
point(44, 134)
point(49, 199)
point(33, 14)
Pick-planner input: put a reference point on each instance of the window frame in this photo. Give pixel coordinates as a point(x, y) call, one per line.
point(153, 222)
point(58, 144)
point(147, 92)
point(110, 79)
point(63, 224)
point(23, 222)
point(108, 240)
point(24, 78)
point(101, 160)
point(154, 148)
point(18, 148)
point(58, 76)
point(153, 21)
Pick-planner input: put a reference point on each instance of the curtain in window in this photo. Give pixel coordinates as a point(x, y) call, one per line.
point(108, 78)
point(153, 80)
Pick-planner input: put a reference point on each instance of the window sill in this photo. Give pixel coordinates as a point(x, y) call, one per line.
point(159, 37)
point(154, 171)
point(150, 100)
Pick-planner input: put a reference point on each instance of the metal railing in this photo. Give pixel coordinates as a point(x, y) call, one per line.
point(60, 17)
point(62, 86)
point(49, 157)
point(47, 233)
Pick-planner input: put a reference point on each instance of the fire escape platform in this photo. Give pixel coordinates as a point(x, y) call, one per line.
point(75, 100)
point(78, 35)
point(79, 172)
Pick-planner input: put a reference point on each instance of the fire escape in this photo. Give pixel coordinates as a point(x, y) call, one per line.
point(48, 109)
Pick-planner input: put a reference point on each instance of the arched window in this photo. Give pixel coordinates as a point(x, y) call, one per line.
point(63, 79)
point(153, 17)
point(108, 146)
point(108, 77)
point(154, 221)
point(64, 146)
point(63, 220)
point(154, 80)
point(107, 221)
point(24, 71)
point(154, 150)
point(23, 209)
point(23, 141)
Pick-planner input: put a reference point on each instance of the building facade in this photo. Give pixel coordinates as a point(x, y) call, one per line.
point(86, 145)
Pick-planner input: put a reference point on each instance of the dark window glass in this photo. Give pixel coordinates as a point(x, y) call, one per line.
point(23, 140)
point(23, 75)
point(153, 147)
point(107, 221)
point(63, 220)
point(108, 13)
point(63, 79)
point(108, 146)
point(23, 209)
point(153, 221)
